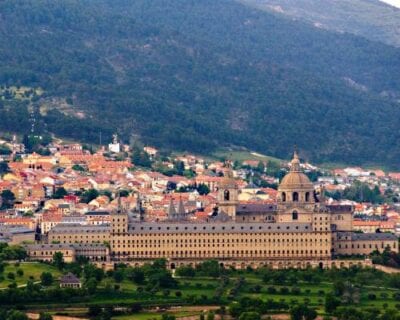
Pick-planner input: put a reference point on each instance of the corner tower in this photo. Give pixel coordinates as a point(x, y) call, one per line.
point(119, 220)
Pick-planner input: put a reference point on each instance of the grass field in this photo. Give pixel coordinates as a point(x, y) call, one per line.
point(31, 270)
point(156, 315)
point(197, 291)
point(243, 155)
point(312, 294)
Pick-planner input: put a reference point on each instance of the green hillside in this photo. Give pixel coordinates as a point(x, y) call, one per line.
point(196, 75)
point(371, 19)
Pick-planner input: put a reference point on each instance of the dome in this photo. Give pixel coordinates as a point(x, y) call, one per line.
point(295, 179)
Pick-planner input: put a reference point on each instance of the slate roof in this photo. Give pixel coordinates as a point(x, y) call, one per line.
point(217, 227)
point(356, 236)
point(373, 236)
point(255, 207)
point(69, 278)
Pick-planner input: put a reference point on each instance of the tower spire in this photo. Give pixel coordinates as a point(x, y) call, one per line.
point(119, 202)
point(295, 163)
point(171, 209)
point(181, 208)
point(322, 194)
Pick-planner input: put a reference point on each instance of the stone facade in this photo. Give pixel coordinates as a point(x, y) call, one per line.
point(45, 252)
point(300, 230)
point(77, 233)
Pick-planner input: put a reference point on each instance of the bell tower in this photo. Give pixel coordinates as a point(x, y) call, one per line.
point(228, 192)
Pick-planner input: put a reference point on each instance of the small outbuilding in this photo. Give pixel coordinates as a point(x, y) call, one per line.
point(69, 280)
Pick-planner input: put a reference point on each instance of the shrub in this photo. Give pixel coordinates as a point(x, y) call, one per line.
point(256, 288)
point(384, 295)
point(20, 272)
point(271, 290)
point(45, 316)
point(94, 310)
point(136, 307)
point(166, 293)
point(296, 290)
point(178, 294)
point(11, 275)
point(46, 278)
point(371, 296)
point(284, 290)
point(185, 271)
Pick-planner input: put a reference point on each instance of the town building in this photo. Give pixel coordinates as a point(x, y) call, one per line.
point(237, 224)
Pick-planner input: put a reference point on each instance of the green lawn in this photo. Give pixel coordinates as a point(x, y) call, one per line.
point(30, 269)
point(155, 315)
point(139, 316)
point(195, 291)
point(243, 155)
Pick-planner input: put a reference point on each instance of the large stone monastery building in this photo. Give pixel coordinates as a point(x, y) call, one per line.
point(299, 231)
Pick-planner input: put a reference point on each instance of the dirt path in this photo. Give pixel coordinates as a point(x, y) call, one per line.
point(387, 269)
point(35, 316)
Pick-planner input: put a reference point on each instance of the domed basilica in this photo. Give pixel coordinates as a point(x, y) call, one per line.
point(299, 230)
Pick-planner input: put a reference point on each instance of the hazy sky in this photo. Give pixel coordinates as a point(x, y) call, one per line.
point(395, 3)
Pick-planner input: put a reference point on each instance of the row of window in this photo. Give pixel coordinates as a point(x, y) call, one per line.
point(47, 253)
point(295, 197)
point(78, 231)
point(233, 253)
point(100, 236)
point(364, 246)
point(204, 228)
point(241, 240)
point(200, 246)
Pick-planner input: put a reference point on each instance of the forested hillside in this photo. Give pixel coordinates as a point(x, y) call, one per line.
point(195, 75)
point(372, 19)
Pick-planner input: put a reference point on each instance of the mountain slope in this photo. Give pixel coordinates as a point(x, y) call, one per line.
point(371, 19)
point(193, 75)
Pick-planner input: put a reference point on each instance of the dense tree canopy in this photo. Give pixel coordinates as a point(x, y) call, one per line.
point(193, 75)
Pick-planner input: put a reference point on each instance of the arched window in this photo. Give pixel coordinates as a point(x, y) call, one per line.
point(283, 196)
point(295, 196)
point(226, 195)
point(295, 215)
point(307, 196)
